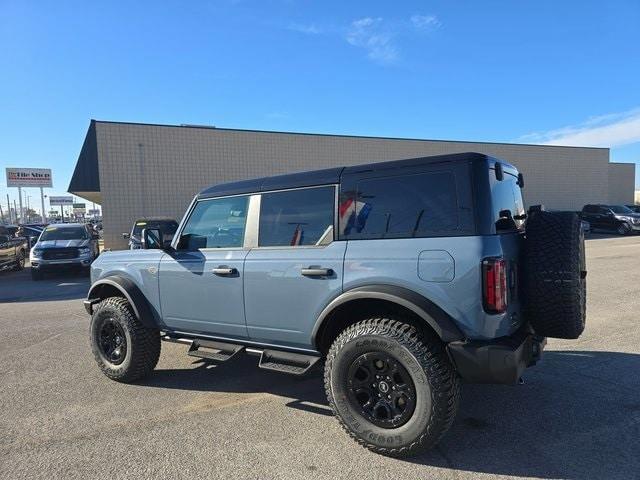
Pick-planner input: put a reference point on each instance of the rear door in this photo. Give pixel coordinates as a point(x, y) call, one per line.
point(296, 270)
point(606, 219)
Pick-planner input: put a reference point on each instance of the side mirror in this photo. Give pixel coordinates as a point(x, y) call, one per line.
point(126, 235)
point(499, 172)
point(521, 180)
point(151, 238)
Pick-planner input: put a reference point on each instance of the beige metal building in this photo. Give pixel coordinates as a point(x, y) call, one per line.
point(136, 170)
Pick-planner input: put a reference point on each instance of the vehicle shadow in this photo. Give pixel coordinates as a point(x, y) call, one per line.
point(577, 416)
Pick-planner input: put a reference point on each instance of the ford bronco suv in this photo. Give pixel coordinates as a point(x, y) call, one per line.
point(402, 278)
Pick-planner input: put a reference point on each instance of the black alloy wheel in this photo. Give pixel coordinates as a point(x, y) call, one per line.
point(382, 389)
point(113, 342)
point(20, 261)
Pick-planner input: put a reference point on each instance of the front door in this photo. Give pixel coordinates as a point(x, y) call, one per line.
point(296, 270)
point(201, 282)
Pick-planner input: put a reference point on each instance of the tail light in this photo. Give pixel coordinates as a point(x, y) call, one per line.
point(494, 276)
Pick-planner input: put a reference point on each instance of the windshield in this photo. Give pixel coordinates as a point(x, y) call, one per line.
point(620, 209)
point(66, 233)
point(168, 227)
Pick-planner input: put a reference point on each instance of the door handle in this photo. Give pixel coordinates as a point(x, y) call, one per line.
point(222, 270)
point(316, 272)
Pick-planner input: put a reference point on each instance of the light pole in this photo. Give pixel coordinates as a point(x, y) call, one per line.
point(27, 212)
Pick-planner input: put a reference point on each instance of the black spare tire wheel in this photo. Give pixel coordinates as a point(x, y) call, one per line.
point(555, 274)
point(391, 386)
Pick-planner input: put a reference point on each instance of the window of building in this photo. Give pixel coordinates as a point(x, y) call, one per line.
point(416, 205)
point(217, 223)
point(297, 217)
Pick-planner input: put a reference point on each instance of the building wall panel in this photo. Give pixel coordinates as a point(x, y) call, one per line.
point(152, 170)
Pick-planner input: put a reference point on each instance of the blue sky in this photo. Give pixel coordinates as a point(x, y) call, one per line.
point(536, 72)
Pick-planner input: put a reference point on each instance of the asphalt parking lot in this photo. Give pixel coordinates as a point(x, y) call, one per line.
point(577, 415)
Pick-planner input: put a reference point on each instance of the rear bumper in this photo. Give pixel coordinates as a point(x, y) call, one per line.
point(501, 360)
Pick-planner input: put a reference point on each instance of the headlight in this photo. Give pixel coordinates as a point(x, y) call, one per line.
point(84, 250)
point(36, 252)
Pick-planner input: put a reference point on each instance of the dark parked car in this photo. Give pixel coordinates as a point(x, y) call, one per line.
point(634, 208)
point(60, 246)
point(13, 250)
point(617, 218)
point(167, 226)
point(30, 232)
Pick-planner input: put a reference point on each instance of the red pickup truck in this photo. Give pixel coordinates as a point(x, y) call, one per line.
point(13, 250)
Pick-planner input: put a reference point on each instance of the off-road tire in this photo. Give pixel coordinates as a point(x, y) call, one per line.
point(142, 344)
point(437, 385)
point(555, 274)
point(20, 260)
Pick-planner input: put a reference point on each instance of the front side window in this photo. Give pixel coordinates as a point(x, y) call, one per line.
point(297, 217)
point(217, 223)
point(621, 210)
point(507, 203)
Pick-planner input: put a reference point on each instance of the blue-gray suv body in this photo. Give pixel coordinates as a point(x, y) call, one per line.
point(404, 277)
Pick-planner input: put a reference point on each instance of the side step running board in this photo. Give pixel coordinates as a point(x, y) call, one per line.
point(210, 350)
point(287, 362)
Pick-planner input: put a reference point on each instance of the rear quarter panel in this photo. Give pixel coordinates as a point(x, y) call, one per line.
point(421, 265)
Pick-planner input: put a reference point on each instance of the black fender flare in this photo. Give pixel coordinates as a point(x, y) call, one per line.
point(141, 307)
point(424, 308)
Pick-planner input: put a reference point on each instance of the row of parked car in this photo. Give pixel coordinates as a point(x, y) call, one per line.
point(61, 246)
point(49, 247)
point(622, 219)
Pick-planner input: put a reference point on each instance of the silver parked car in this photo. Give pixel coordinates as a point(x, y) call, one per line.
point(64, 246)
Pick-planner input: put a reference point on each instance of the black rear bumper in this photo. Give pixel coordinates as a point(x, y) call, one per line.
point(501, 360)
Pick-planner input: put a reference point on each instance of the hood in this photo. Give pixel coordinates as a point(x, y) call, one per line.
point(63, 243)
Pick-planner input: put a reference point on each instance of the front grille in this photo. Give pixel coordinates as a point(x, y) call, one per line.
point(59, 253)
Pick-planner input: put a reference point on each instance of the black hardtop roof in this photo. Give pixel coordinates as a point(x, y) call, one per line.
point(333, 175)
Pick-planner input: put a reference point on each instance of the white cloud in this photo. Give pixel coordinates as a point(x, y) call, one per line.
point(424, 22)
point(369, 33)
point(310, 29)
point(610, 130)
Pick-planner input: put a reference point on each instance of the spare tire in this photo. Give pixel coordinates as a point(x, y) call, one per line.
point(555, 284)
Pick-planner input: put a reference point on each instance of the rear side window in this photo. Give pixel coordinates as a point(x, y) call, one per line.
point(401, 206)
point(507, 197)
point(217, 223)
point(297, 217)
